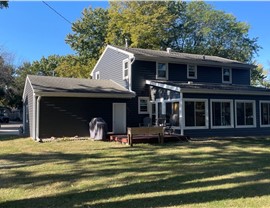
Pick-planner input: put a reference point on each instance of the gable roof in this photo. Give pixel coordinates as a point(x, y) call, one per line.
point(148, 54)
point(210, 88)
point(74, 87)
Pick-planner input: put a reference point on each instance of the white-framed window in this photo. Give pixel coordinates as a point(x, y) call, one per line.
point(196, 114)
point(161, 70)
point(97, 75)
point(125, 69)
point(227, 75)
point(265, 113)
point(191, 71)
point(143, 105)
point(245, 113)
point(221, 113)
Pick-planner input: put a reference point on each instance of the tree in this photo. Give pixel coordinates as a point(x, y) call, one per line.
point(259, 75)
point(89, 33)
point(145, 24)
point(74, 66)
point(3, 4)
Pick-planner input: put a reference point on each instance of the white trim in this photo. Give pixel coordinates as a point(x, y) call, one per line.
point(195, 68)
point(25, 84)
point(38, 118)
point(167, 70)
point(206, 113)
point(125, 69)
point(260, 103)
point(34, 118)
point(131, 55)
point(97, 75)
point(227, 82)
point(253, 111)
point(139, 105)
point(165, 86)
point(181, 114)
point(231, 113)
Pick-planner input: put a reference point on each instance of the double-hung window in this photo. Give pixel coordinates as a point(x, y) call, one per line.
point(221, 113)
point(265, 113)
point(162, 70)
point(191, 71)
point(125, 69)
point(143, 105)
point(227, 75)
point(245, 113)
point(196, 113)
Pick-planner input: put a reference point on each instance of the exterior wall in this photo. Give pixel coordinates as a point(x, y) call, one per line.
point(252, 131)
point(178, 72)
point(60, 117)
point(111, 65)
point(28, 101)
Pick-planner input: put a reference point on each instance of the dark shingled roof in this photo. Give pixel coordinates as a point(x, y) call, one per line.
point(215, 88)
point(140, 53)
point(47, 84)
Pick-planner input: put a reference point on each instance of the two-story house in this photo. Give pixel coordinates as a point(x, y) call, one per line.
point(198, 95)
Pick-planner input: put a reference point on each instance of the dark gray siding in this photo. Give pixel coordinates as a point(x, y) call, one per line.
point(241, 77)
point(61, 117)
point(28, 103)
point(111, 66)
point(256, 131)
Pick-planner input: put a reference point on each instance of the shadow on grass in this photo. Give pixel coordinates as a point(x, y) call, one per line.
point(170, 175)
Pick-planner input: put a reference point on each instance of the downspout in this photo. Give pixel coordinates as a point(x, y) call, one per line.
point(181, 119)
point(37, 118)
point(34, 118)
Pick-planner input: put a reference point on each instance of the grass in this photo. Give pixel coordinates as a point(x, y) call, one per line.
point(213, 173)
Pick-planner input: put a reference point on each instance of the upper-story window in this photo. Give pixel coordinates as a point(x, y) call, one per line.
point(97, 75)
point(191, 71)
point(162, 71)
point(125, 68)
point(226, 75)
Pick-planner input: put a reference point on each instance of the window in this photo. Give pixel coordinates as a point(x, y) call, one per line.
point(226, 75)
point(191, 71)
point(245, 113)
point(97, 75)
point(196, 114)
point(265, 113)
point(222, 114)
point(125, 69)
point(162, 71)
point(143, 105)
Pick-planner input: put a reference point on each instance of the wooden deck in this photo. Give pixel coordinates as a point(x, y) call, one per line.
point(152, 139)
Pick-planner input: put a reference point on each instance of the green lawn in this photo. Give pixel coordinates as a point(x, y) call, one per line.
point(214, 173)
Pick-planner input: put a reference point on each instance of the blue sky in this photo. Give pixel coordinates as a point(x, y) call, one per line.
point(31, 30)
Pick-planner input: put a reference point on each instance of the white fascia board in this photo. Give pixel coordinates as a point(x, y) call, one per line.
point(130, 55)
point(85, 95)
point(164, 86)
point(25, 84)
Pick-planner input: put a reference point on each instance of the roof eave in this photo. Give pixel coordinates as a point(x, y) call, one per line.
point(85, 95)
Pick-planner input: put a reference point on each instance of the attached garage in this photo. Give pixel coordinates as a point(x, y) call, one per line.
point(63, 107)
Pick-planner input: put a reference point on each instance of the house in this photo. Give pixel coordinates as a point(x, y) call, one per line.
point(63, 107)
point(198, 95)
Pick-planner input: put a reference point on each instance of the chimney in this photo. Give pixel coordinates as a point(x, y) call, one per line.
point(169, 50)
